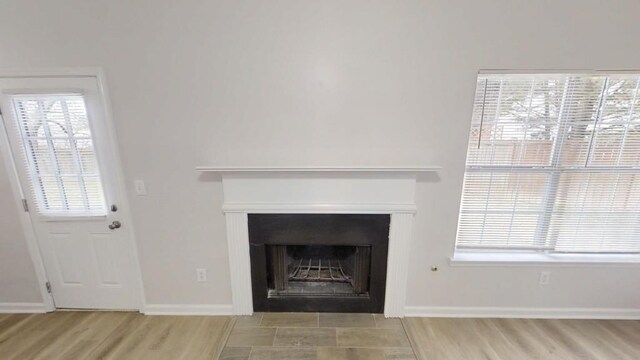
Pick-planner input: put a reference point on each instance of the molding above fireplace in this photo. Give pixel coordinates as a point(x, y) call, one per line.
point(289, 208)
point(365, 169)
point(271, 190)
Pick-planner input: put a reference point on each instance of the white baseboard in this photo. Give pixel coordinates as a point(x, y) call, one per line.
point(523, 313)
point(188, 309)
point(22, 308)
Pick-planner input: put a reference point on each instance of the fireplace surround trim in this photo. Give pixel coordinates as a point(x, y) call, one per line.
point(320, 193)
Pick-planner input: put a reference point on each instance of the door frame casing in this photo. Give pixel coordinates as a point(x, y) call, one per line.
point(18, 192)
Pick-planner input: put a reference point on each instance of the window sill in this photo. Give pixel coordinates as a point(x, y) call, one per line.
point(479, 259)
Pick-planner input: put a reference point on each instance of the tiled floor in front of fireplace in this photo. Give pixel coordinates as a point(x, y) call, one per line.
point(317, 336)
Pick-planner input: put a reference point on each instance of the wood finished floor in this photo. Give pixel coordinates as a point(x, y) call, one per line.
point(111, 335)
point(470, 339)
point(114, 335)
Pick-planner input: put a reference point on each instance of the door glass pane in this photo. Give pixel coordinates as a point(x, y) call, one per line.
point(60, 154)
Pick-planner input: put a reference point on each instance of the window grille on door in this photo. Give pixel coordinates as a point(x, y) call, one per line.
point(60, 156)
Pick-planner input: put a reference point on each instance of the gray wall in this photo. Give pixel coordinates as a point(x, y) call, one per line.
point(308, 82)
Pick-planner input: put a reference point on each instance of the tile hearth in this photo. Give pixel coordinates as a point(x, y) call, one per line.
point(317, 336)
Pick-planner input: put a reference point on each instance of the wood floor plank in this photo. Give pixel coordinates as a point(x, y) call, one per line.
point(592, 340)
point(603, 330)
point(50, 334)
point(5, 318)
point(432, 338)
point(176, 337)
point(163, 337)
point(113, 339)
point(138, 338)
point(494, 338)
point(35, 326)
point(465, 334)
point(208, 340)
point(593, 346)
point(523, 339)
point(11, 323)
point(100, 324)
point(61, 341)
point(628, 330)
point(551, 343)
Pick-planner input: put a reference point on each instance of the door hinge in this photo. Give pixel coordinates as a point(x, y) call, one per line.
point(48, 285)
point(25, 205)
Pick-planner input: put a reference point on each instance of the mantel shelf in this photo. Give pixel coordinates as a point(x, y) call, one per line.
point(362, 169)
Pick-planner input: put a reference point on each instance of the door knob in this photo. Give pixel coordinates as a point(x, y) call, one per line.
point(115, 224)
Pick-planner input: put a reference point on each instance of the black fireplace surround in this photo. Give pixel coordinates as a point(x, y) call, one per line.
point(319, 262)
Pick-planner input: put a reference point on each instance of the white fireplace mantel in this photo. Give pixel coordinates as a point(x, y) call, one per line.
point(303, 169)
point(319, 190)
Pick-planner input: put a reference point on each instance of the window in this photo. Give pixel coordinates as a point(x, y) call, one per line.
point(553, 164)
point(61, 160)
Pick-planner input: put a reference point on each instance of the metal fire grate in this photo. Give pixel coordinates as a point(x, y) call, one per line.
point(319, 270)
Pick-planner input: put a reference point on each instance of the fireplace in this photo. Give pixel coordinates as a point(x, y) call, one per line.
point(318, 262)
point(261, 197)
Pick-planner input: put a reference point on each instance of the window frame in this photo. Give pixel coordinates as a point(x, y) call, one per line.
point(546, 251)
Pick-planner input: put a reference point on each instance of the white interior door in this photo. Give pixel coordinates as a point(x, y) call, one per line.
point(65, 160)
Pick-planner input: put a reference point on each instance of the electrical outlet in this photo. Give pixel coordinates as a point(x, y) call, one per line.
point(141, 188)
point(201, 275)
point(545, 277)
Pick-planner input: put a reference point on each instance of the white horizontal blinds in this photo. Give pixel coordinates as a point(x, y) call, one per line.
point(61, 159)
point(597, 205)
point(514, 126)
point(501, 210)
point(553, 163)
point(603, 126)
point(515, 120)
point(597, 212)
point(618, 133)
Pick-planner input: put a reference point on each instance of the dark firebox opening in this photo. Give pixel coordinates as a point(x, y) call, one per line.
point(319, 262)
point(318, 270)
